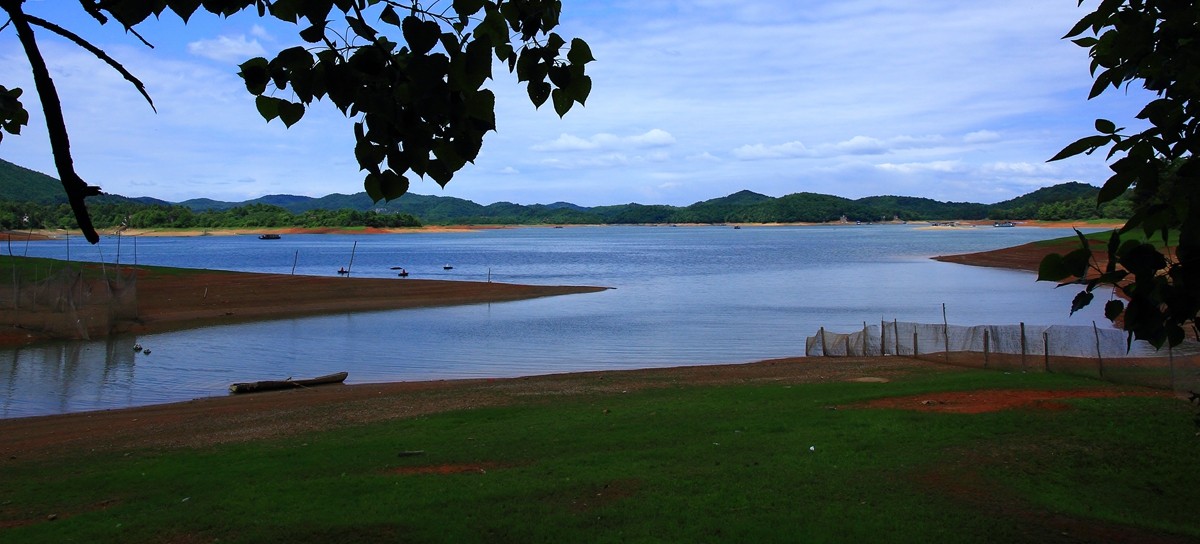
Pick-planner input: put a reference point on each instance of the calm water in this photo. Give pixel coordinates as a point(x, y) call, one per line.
point(687, 295)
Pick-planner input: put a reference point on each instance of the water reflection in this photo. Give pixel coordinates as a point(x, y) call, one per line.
point(67, 376)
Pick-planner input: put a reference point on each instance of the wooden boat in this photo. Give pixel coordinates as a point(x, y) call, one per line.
point(272, 385)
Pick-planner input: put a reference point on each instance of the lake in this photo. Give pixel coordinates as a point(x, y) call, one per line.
point(680, 295)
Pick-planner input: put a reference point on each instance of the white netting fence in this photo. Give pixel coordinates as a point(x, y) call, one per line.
point(1093, 350)
point(71, 302)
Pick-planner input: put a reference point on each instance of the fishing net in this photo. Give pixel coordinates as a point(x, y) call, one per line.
point(70, 302)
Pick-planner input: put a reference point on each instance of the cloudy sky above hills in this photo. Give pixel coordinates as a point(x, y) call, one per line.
point(692, 100)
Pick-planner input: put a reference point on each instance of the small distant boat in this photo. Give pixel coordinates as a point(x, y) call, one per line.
point(403, 273)
point(737, 227)
point(343, 271)
point(273, 385)
point(1004, 224)
point(268, 236)
point(447, 267)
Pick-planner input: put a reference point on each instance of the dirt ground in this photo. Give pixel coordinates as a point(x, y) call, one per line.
point(202, 298)
point(1025, 256)
point(238, 418)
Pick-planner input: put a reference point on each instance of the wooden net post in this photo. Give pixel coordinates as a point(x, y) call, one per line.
point(985, 348)
point(1046, 349)
point(945, 333)
point(896, 333)
point(1023, 347)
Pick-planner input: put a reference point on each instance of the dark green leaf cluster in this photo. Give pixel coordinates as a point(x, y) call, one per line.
point(411, 75)
point(12, 113)
point(419, 103)
point(1154, 43)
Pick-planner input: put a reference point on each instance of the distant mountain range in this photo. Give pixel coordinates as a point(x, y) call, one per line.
point(18, 184)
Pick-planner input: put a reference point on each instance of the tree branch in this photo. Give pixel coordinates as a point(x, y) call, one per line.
point(95, 51)
point(56, 127)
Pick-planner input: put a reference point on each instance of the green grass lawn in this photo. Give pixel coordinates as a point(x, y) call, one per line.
point(736, 463)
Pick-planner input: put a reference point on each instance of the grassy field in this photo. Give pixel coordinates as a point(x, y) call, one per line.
point(740, 463)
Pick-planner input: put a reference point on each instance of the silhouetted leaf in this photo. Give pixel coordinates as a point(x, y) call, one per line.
point(1083, 145)
point(1144, 261)
point(562, 102)
point(421, 36)
point(538, 91)
point(389, 16)
point(467, 8)
point(290, 112)
point(1080, 301)
point(254, 72)
point(374, 186)
point(580, 52)
point(314, 33)
point(268, 107)
point(361, 28)
point(392, 185)
point(1113, 309)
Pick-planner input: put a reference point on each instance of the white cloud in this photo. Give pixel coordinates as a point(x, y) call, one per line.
point(981, 136)
point(227, 48)
point(760, 151)
point(569, 142)
point(1020, 168)
point(261, 33)
point(919, 167)
point(653, 138)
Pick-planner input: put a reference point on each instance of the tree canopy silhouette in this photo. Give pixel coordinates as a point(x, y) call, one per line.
point(410, 75)
point(1152, 43)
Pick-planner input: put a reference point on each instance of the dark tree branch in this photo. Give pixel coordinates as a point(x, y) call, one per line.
point(77, 190)
point(94, 10)
point(95, 51)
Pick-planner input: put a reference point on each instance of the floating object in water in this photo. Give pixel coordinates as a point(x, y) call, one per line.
point(447, 267)
point(271, 385)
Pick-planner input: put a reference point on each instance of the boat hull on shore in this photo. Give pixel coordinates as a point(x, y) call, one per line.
point(274, 385)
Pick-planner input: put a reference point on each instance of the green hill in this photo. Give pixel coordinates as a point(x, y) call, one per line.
point(20, 184)
point(1064, 201)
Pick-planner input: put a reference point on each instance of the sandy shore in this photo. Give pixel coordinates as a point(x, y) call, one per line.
point(172, 301)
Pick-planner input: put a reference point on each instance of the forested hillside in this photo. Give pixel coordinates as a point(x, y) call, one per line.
point(29, 199)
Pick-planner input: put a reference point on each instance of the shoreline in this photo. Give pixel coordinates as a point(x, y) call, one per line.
point(178, 299)
point(41, 235)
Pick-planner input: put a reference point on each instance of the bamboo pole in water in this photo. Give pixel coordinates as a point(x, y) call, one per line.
point(352, 250)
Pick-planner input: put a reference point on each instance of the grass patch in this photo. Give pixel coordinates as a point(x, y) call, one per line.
point(39, 268)
point(764, 462)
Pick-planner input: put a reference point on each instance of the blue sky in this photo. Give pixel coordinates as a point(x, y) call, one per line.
point(692, 100)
